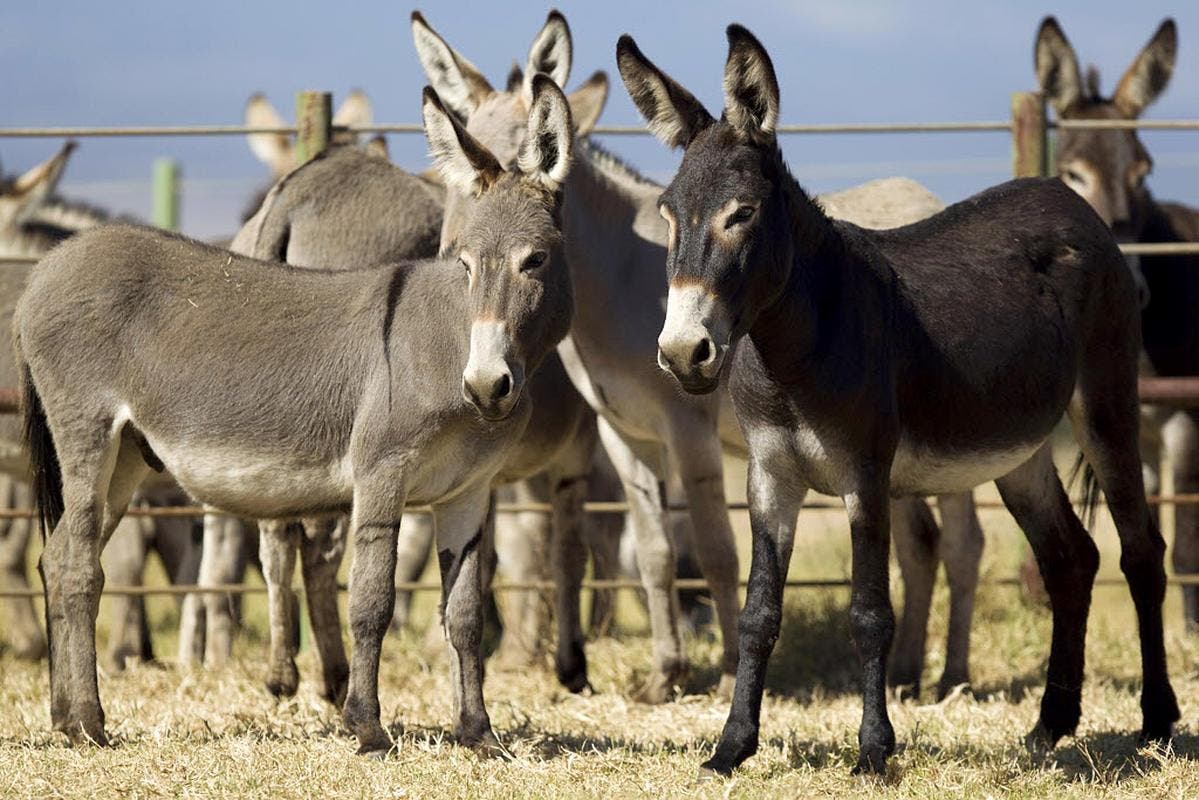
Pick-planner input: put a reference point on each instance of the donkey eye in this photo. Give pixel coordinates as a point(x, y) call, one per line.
point(742, 214)
point(534, 260)
point(1074, 177)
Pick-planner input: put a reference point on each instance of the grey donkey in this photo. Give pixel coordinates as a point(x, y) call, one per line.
point(280, 393)
point(870, 365)
point(33, 219)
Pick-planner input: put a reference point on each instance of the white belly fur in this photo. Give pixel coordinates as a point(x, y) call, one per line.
point(920, 470)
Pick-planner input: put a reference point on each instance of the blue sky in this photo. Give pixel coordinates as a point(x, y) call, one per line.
point(143, 62)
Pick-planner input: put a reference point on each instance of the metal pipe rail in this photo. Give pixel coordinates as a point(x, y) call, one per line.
point(619, 584)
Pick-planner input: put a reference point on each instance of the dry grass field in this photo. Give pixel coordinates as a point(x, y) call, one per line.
point(189, 733)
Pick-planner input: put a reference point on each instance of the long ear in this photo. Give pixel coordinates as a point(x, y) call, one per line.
point(465, 164)
point(1057, 67)
point(751, 90)
point(1149, 73)
point(515, 80)
point(550, 54)
point(545, 153)
point(25, 194)
point(587, 102)
point(273, 149)
point(354, 111)
point(672, 113)
point(377, 147)
point(457, 81)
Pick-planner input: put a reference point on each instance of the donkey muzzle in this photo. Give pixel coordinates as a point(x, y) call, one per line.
point(694, 339)
point(492, 381)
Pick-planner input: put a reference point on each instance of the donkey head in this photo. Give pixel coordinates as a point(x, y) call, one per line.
point(277, 150)
point(723, 207)
point(21, 197)
point(1107, 167)
point(499, 119)
point(510, 247)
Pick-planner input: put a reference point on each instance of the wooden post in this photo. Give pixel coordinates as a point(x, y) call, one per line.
point(165, 196)
point(314, 121)
point(1030, 141)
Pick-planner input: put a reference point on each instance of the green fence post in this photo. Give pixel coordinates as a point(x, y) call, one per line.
point(165, 200)
point(314, 124)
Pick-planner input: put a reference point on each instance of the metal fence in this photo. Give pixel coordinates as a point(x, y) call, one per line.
point(1028, 125)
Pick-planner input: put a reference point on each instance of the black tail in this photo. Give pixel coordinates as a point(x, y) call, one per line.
point(1090, 490)
point(43, 458)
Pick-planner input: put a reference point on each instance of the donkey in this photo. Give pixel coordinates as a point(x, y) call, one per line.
point(1109, 169)
point(615, 242)
point(872, 364)
point(354, 391)
point(346, 204)
point(32, 221)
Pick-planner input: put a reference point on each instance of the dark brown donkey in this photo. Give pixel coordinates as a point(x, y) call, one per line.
point(1109, 168)
point(921, 360)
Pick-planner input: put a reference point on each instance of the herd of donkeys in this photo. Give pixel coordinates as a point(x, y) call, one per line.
point(534, 317)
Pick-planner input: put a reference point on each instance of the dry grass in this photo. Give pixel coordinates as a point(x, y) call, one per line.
point(195, 734)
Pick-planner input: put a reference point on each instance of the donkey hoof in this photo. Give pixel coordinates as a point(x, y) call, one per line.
point(724, 689)
point(871, 762)
point(706, 775)
point(489, 747)
point(80, 734)
point(1039, 741)
point(1156, 735)
point(373, 753)
point(282, 685)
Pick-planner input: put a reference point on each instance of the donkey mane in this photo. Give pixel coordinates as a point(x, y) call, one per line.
point(612, 165)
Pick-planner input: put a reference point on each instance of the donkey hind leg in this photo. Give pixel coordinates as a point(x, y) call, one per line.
point(25, 631)
point(961, 551)
point(916, 537)
point(655, 561)
point(461, 549)
point(698, 461)
point(221, 563)
point(1067, 559)
point(321, 551)
point(1181, 436)
point(375, 525)
point(97, 487)
point(412, 554)
point(522, 542)
point(278, 541)
point(1105, 423)
point(569, 487)
point(775, 498)
point(124, 562)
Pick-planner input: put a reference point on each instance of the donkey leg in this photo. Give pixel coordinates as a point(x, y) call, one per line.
point(1067, 560)
point(412, 554)
point(570, 561)
point(961, 550)
point(697, 460)
point(523, 544)
point(916, 534)
point(124, 562)
point(460, 554)
point(378, 508)
point(1105, 423)
point(655, 561)
point(1181, 436)
point(277, 543)
point(321, 550)
point(219, 565)
point(25, 632)
point(775, 497)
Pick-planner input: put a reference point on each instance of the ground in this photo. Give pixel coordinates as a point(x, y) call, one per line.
point(184, 732)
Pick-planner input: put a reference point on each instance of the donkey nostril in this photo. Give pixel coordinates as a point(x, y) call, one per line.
point(702, 352)
point(502, 387)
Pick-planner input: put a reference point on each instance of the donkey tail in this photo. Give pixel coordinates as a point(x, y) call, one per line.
point(43, 458)
point(1090, 490)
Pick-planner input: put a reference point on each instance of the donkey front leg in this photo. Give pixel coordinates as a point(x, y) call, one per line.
point(378, 509)
point(124, 562)
point(321, 552)
point(24, 630)
point(655, 561)
point(570, 562)
point(462, 542)
point(916, 536)
point(775, 497)
point(961, 550)
point(278, 540)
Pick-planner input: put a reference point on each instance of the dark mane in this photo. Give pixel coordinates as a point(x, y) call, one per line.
point(608, 161)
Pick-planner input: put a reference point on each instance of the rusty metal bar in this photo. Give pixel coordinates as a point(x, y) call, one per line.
point(1180, 392)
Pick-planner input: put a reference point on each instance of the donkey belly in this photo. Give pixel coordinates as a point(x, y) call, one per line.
point(923, 470)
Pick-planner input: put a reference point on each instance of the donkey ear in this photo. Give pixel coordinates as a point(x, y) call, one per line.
point(466, 165)
point(377, 147)
point(545, 153)
point(550, 54)
point(273, 149)
point(25, 195)
point(354, 111)
point(1057, 67)
point(1149, 73)
point(751, 90)
point(516, 79)
point(672, 113)
point(587, 102)
point(455, 79)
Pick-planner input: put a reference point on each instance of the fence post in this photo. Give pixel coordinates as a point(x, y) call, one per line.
point(165, 195)
point(314, 123)
point(1030, 140)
